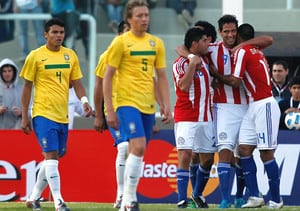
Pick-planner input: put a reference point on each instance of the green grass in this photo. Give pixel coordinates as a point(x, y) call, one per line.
point(47, 206)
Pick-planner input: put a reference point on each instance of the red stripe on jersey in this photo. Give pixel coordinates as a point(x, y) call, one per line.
point(252, 66)
point(194, 105)
point(223, 60)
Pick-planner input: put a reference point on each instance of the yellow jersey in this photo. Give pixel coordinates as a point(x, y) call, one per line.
point(51, 72)
point(100, 71)
point(135, 59)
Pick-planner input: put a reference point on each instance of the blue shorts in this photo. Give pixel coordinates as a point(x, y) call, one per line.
point(52, 136)
point(135, 123)
point(119, 136)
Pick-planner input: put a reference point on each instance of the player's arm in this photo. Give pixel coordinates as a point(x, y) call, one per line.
point(80, 92)
point(98, 99)
point(181, 50)
point(111, 118)
point(158, 97)
point(262, 42)
point(164, 90)
point(226, 79)
point(25, 99)
point(187, 80)
point(292, 109)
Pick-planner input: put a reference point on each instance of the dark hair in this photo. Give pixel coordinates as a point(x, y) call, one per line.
point(121, 26)
point(283, 63)
point(209, 28)
point(53, 21)
point(294, 81)
point(193, 34)
point(227, 19)
point(246, 31)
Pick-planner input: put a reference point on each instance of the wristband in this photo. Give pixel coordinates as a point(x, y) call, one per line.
point(190, 56)
point(84, 100)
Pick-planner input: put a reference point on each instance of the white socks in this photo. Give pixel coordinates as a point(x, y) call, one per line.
point(120, 167)
point(53, 178)
point(132, 176)
point(40, 185)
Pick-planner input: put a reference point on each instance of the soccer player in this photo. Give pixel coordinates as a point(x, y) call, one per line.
point(259, 128)
point(193, 116)
point(134, 56)
point(230, 105)
point(48, 71)
point(120, 138)
point(291, 104)
point(195, 161)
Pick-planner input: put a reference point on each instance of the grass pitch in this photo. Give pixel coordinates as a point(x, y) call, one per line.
point(48, 206)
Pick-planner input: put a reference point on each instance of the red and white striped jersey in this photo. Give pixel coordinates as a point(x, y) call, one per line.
point(223, 60)
point(194, 105)
point(252, 67)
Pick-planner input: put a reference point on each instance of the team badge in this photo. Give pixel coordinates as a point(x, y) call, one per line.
point(223, 136)
point(66, 56)
point(152, 43)
point(180, 141)
point(44, 142)
point(132, 127)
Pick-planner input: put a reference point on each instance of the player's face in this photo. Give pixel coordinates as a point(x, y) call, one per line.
point(228, 34)
point(55, 36)
point(295, 91)
point(139, 22)
point(203, 44)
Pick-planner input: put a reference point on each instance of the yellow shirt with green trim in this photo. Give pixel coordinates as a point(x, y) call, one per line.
point(51, 72)
point(135, 59)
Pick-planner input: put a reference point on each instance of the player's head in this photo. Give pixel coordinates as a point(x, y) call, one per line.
point(54, 33)
point(245, 32)
point(294, 86)
point(136, 14)
point(192, 38)
point(209, 28)
point(122, 27)
point(51, 22)
point(226, 19)
point(228, 25)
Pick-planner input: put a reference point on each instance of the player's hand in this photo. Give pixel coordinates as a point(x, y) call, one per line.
point(87, 110)
point(112, 120)
point(166, 116)
point(215, 84)
point(196, 61)
point(26, 126)
point(99, 124)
